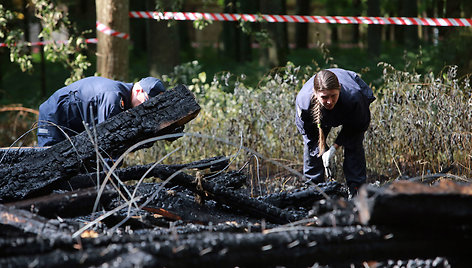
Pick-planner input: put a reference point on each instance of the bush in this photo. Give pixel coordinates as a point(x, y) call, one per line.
point(420, 123)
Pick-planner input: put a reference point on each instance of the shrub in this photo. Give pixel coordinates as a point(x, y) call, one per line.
point(420, 123)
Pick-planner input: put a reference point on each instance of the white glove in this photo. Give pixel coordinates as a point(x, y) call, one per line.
point(327, 156)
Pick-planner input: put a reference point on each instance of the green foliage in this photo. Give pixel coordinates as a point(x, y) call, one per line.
point(420, 123)
point(262, 116)
point(69, 53)
point(52, 19)
point(19, 52)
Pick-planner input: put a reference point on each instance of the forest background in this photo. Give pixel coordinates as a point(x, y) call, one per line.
point(246, 75)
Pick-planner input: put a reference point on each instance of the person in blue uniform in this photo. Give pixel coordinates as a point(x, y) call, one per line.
point(91, 100)
point(331, 98)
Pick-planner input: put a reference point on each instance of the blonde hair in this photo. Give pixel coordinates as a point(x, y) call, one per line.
point(324, 80)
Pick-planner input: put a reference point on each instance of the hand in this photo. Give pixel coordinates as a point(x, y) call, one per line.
point(327, 156)
point(328, 173)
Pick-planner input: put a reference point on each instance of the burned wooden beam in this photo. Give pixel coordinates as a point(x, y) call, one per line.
point(13, 155)
point(304, 197)
point(229, 197)
point(296, 246)
point(21, 223)
point(137, 172)
point(181, 202)
point(157, 116)
point(68, 204)
point(231, 179)
point(416, 204)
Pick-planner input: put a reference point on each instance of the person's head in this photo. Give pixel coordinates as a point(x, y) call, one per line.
point(326, 89)
point(144, 89)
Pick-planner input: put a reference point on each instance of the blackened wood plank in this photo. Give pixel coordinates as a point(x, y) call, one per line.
point(157, 116)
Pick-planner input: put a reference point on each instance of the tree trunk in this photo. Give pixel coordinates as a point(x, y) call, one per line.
point(231, 32)
point(374, 31)
point(410, 9)
point(331, 10)
point(301, 29)
point(112, 52)
point(245, 49)
point(357, 11)
point(277, 52)
point(163, 43)
point(453, 10)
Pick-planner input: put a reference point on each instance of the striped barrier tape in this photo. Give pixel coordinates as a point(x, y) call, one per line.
point(108, 31)
point(192, 16)
point(464, 22)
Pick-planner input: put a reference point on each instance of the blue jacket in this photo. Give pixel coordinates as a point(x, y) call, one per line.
point(92, 100)
point(351, 111)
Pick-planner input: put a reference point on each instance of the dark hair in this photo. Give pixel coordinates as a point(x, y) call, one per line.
point(324, 80)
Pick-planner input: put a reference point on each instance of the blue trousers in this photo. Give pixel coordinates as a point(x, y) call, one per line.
point(65, 116)
point(354, 165)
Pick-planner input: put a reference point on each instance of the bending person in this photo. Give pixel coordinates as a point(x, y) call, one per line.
point(331, 98)
point(91, 100)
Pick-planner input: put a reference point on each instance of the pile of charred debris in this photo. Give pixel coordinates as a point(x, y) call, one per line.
point(53, 213)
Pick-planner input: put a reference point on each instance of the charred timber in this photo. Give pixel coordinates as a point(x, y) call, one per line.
point(13, 155)
point(415, 204)
point(305, 197)
point(180, 202)
point(292, 247)
point(138, 171)
point(68, 204)
point(21, 223)
point(226, 196)
point(157, 116)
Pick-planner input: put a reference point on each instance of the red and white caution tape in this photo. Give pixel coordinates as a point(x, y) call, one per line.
point(192, 16)
point(106, 30)
point(32, 44)
point(301, 19)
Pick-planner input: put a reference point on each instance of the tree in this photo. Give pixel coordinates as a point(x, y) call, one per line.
point(373, 31)
point(278, 51)
point(236, 36)
point(52, 19)
point(112, 52)
point(409, 8)
point(301, 29)
point(162, 41)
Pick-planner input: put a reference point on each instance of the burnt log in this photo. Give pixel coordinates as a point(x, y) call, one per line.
point(68, 204)
point(226, 196)
point(231, 179)
point(13, 155)
point(415, 204)
point(157, 116)
point(305, 197)
point(181, 202)
point(297, 246)
point(21, 223)
point(136, 173)
point(231, 198)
